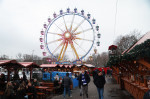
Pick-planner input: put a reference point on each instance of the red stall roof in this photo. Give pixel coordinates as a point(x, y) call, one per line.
point(4, 62)
point(48, 65)
point(29, 64)
point(11, 63)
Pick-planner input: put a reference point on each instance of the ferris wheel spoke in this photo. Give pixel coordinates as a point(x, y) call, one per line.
point(58, 47)
point(59, 28)
point(73, 53)
point(64, 51)
point(65, 23)
point(78, 25)
point(72, 22)
point(79, 46)
point(84, 39)
point(77, 33)
point(72, 46)
point(55, 33)
point(61, 52)
point(55, 41)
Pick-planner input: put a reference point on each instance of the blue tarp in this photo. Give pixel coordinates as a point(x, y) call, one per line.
point(60, 74)
point(75, 83)
point(46, 76)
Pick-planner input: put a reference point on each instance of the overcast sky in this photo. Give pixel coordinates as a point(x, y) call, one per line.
point(22, 20)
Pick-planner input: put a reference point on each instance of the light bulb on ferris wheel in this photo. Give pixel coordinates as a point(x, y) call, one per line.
point(69, 34)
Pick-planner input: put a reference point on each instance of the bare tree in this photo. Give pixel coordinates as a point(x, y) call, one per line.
point(27, 58)
point(96, 60)
point(104, 58)
point(4, 57)
point(19, 57)
point(99, 60)
point(125, 42)
point(37, 59)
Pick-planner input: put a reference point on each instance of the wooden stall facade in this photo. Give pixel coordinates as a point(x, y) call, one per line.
point(132, 76)
point(10, 65)
point(132, 68)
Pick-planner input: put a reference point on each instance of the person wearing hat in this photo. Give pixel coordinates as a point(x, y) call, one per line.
point(147, 94)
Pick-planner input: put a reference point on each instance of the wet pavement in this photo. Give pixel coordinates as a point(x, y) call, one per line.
point(111, 91)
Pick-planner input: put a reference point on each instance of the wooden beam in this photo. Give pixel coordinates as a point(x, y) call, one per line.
point(143, 62)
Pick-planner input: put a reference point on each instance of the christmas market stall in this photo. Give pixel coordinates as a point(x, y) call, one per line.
point(10, 65)
point(30, 66)
point(132, 68)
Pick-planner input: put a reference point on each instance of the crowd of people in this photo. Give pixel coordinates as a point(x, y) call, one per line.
point(84, 80)
point(19, 90)
point(18, 87)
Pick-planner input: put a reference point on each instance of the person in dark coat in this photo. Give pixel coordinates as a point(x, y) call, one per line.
point(95, 73)
point(79, 85)
point(84, 80)
point(9, 92)
point(21, 91)
point(31, 89)
point(16, 77)
point(2, 82)
point(99, 81)
point(147, 94)
point(24, 77)
point(16, 86)
point(56, 83)
point(103, 72)
point(35, 83)
point(66, 83)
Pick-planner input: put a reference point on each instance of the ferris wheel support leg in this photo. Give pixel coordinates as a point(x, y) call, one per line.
point(61, 52)
point(74, 50)
point(64, 51)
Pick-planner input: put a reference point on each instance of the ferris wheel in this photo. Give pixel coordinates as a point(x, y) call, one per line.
point(69, 35)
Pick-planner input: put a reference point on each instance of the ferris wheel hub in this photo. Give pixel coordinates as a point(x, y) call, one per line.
point(67, 35)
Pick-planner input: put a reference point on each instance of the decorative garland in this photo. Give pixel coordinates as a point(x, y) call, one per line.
point(138, 52)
